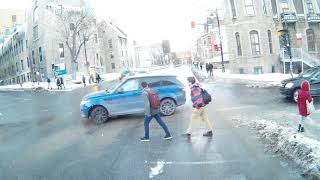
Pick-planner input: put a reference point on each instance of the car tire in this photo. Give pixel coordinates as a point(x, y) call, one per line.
point(167, 107)
point(99, 114)
point(295, 95)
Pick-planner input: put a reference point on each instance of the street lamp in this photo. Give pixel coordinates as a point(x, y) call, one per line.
point(220, 37)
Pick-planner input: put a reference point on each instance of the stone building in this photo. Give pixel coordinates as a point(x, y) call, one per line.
point(14, 61)
point(252, 32)
point(9, 18)
point(114, 45)
point(251, 37)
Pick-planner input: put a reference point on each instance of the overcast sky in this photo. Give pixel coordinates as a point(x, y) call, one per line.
point(147, 21)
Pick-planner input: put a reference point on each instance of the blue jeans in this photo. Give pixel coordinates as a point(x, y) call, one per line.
point(147, 120)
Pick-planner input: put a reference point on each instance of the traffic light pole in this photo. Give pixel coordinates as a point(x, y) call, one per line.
point(289, 45)
point(220, 37)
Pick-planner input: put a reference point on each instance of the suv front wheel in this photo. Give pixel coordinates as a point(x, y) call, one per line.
point(167, 107)
point(99, 114)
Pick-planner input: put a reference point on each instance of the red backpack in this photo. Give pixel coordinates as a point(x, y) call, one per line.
point(154, 99)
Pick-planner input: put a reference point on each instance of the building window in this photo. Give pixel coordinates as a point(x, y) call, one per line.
point(22, 66)
point(299, 6)
point(255, 44)
point(249, 7)
point(113, 66)
point(21, 45)
point(239, 51)
point(61, 50)
point(270, 42)
point(257, 70)
point(110, 43)
point(17, 67)
point(310, 7)
point(14, 18)
point(26, 43)
point(96, 38)
point(97, 59)
point(241, 71)
point(284, 5)
point(35, 15)
point(40, 54)
point(72, 26)
point(233, 8)
point(35, 33)
point(264, 7)
point(120, 40)
point(28, 62)
point(311, 40)
point(273, 69)
point(33, 58)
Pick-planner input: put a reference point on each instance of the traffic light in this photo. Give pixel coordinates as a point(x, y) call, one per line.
point(193, 24)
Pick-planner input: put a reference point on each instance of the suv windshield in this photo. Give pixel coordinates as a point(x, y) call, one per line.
point(307, 73)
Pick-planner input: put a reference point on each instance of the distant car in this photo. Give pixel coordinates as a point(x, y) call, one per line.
point(128, 73)
point(126, 97)
point(290, 87)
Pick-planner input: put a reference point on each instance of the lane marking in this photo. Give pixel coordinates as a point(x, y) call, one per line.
point(44, 110)
point(191, 162)
point(158, 169)
point(237, 108)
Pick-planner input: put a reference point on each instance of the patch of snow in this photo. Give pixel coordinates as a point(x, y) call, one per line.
point(158, 169)
point(302, 150)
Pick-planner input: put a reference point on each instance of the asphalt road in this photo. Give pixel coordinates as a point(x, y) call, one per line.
point(43, 137)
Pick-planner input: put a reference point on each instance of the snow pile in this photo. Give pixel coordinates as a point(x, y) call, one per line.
point(110, 76)
point(303, 151)
point(252, 80)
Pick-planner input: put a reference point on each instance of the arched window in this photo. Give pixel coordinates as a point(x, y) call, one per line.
point(35, 15)
point(255, 43)
point(239, 51)
point(311, 40)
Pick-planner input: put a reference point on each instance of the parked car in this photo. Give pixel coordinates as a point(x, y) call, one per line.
point(126, 97)
point(128, 73)
point(290, 87)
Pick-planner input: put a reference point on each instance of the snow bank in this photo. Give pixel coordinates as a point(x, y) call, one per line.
point(303, 151)
point(251, 80)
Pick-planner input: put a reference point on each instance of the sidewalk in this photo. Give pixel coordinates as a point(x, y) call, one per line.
point(69, 85)
point(251, 80)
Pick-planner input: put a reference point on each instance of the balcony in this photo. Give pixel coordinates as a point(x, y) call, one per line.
point(313, 18)
point(288, 17)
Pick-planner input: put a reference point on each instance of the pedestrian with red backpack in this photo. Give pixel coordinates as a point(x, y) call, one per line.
point(151, 107)
point(200, 98)
point(304, 99)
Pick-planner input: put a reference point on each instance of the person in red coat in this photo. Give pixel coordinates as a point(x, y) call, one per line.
point(303, 96)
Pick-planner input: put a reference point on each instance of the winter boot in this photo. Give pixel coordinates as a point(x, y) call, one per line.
point(209, 134)
point(299, 128)
point(302, 129)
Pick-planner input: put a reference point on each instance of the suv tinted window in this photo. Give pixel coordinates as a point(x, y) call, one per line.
point(161, 81)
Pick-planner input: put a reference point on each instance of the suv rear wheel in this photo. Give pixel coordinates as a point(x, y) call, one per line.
point(99, 114)
point(167, 107)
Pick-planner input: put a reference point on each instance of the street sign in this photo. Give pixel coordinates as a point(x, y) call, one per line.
point(60, 68)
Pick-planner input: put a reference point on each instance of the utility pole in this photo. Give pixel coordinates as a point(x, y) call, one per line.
point(220, 37)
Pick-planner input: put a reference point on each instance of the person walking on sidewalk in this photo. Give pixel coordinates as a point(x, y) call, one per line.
point(199, 109)
point(84, 81)
point(49, 83)
point(58, 83)
point(151, 108)
point(207, 68)
point(303, 96)
point(211, 69)
point(62, 83)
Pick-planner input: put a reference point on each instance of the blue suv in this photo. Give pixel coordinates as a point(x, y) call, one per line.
point(126, 97)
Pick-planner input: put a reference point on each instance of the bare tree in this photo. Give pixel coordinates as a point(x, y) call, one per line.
point(77, 28)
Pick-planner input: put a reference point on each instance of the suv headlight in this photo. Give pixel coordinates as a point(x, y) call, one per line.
point(289, 85)
point(84, 102)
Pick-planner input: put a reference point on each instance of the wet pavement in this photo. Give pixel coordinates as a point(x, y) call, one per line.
point(42, 136)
